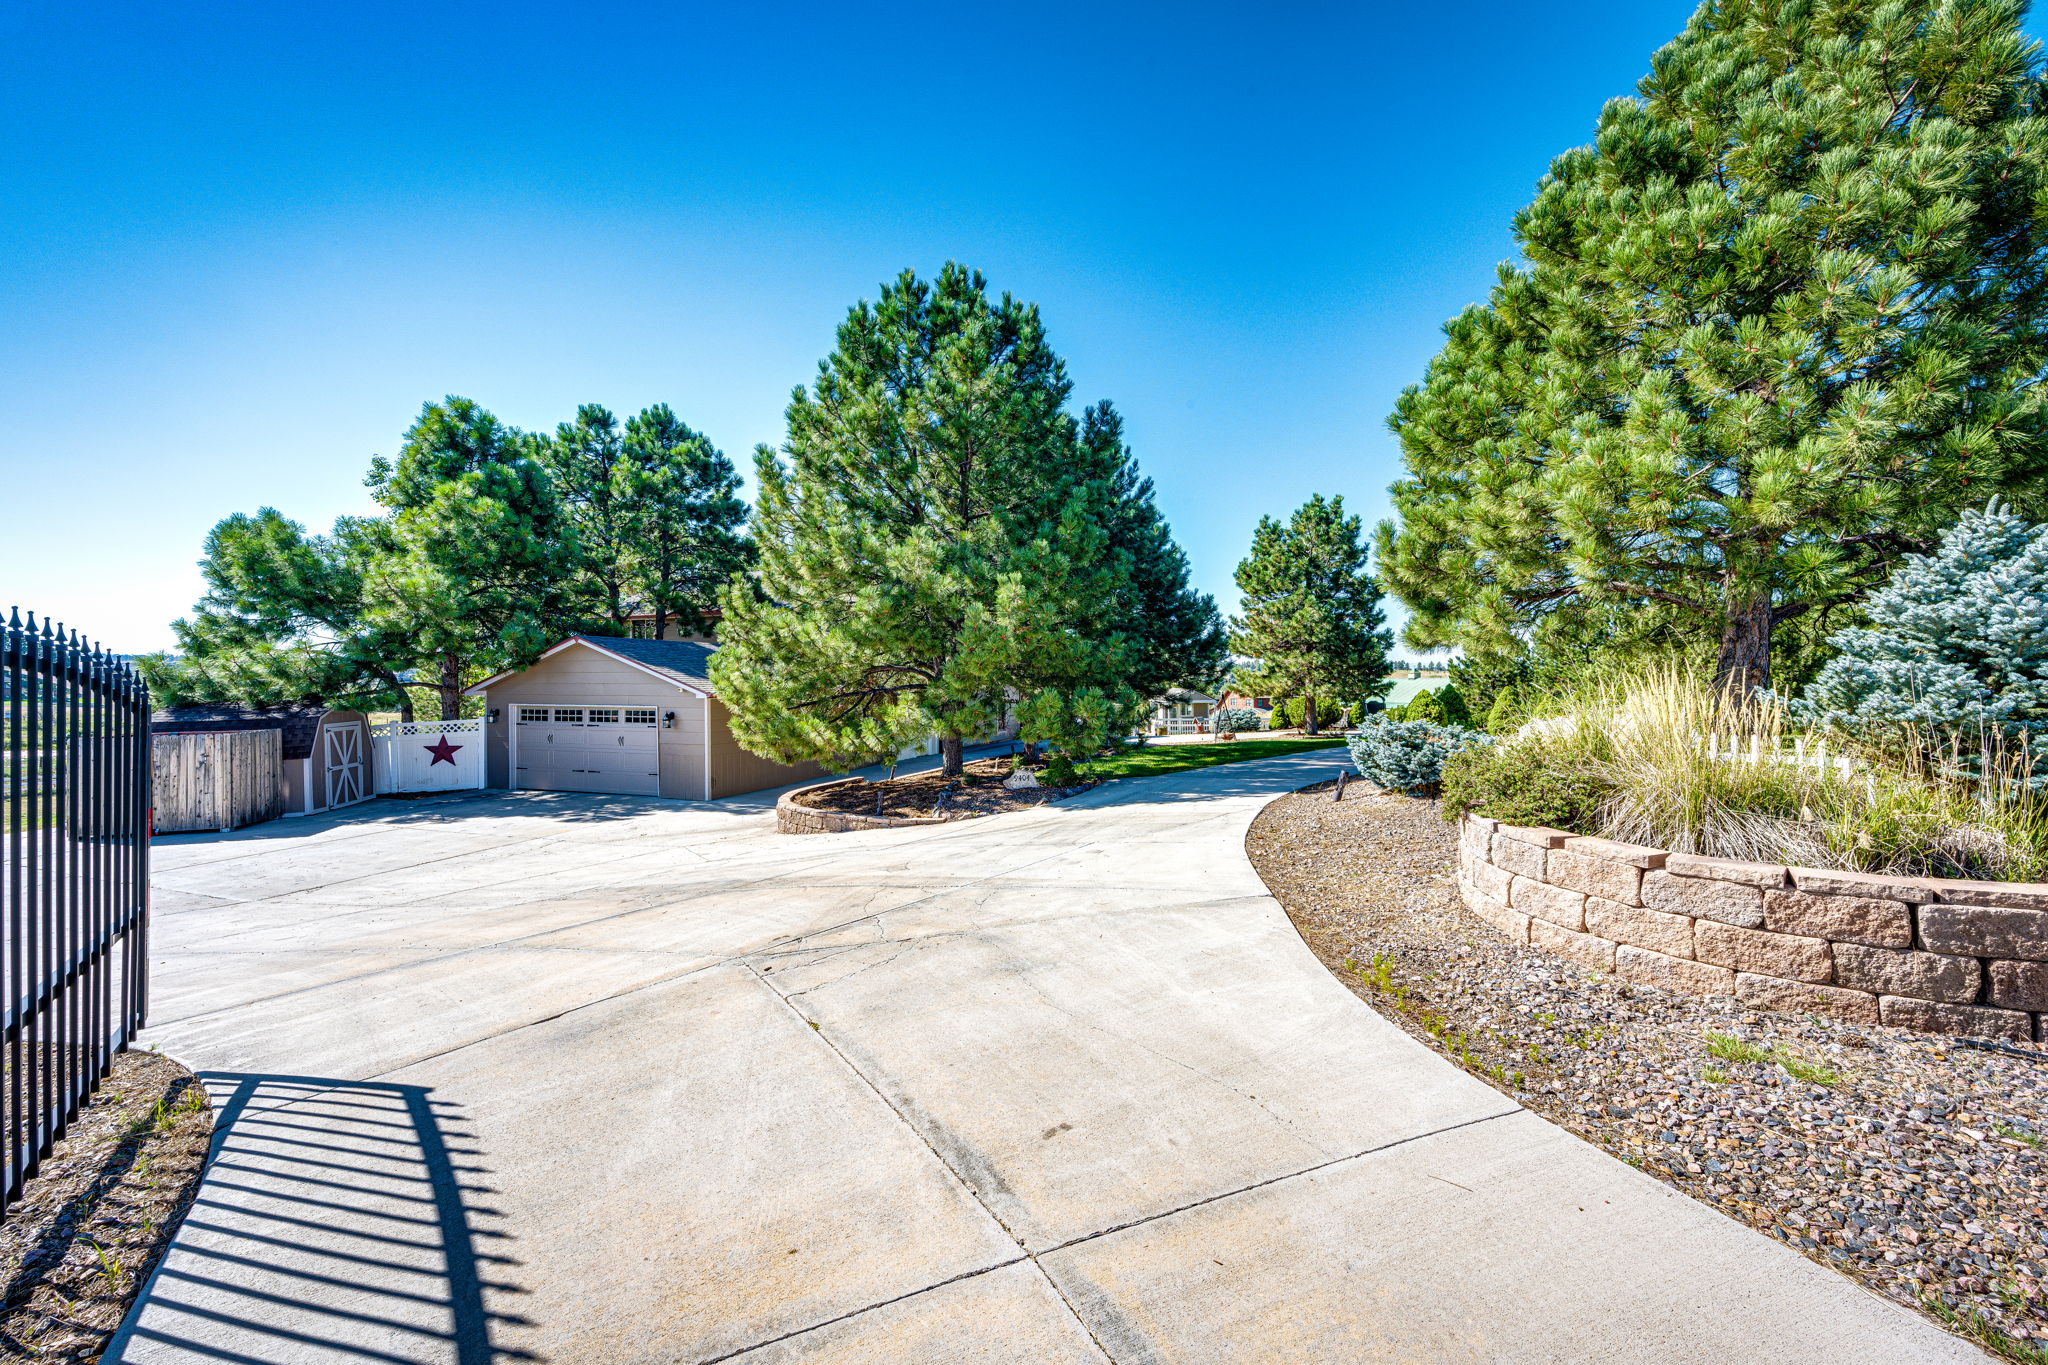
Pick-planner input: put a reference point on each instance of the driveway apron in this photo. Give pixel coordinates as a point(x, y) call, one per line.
point(532, 1077)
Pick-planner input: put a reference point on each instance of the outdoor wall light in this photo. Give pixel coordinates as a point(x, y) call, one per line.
point(668, 720)
point(491, 716)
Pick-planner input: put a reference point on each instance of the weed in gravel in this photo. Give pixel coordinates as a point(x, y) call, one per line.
point(110, 1267)
point(2019, 1135)
point(1730, 1048)
point(1974, 1326)
point(1801, 1069)
point(1714, 1075)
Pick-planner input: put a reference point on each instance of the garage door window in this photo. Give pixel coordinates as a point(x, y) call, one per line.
point(604, 715)
point(635, 716)
point(533, 714)
point(568, 715)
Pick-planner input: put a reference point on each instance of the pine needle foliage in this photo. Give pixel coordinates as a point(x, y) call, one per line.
point(942, 540)
point(1771, 330)
point(1310, 612)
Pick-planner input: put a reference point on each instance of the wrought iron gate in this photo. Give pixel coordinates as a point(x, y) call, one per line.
point(74, 880)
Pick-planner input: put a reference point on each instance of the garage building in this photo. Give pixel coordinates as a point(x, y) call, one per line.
point(629, 717)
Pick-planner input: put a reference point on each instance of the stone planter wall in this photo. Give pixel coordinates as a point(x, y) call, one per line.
point(1943, 956)
point(791, 818)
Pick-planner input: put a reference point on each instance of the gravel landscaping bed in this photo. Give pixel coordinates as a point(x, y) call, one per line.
point(1912, 1162)
point(76, 1249)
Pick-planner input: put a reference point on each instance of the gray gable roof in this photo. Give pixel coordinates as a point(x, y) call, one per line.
point(687, 661)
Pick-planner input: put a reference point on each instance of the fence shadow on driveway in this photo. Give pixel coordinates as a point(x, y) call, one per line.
point(337, 1220)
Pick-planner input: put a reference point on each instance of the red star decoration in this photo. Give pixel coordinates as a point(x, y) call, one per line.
point(443, 751)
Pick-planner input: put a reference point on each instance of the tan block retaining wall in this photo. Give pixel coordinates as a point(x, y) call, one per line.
point(791, 818)
point(1924, 953)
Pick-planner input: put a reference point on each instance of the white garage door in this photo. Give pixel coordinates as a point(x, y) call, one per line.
point(587, 749)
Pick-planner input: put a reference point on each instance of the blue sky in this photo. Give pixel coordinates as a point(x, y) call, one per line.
point(245, 241)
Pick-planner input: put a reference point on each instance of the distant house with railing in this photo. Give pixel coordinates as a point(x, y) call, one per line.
point(1182, 711)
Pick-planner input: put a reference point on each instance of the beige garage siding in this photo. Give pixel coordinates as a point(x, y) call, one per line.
point(734, 771)
point(583, 677)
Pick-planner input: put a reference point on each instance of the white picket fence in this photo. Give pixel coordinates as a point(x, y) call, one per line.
point(428, 755)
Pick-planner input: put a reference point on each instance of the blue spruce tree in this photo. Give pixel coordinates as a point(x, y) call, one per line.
point(1957, 648)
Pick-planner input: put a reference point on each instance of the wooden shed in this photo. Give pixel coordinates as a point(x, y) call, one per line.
point(322, 761)
point(600, 713)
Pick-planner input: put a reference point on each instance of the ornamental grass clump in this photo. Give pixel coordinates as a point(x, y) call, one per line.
point(1663, 758)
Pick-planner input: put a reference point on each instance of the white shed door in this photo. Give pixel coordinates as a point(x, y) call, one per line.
point(587, 749)
point(343, 763)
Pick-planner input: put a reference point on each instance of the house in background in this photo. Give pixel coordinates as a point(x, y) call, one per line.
point(1181, 711)
point(601, 713)
point(1234, 700)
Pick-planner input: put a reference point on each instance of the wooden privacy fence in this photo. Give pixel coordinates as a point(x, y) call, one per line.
point(218, 779)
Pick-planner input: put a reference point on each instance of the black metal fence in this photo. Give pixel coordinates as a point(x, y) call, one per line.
point(74, 880)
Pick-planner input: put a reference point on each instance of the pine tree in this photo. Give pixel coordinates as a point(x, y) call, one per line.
point(586, 462)
point(479, 565)
point(285, 619)
point(683, 520)
point(1772, 329)
point(1174, 635)
point(937, 542)
point(1310, 613)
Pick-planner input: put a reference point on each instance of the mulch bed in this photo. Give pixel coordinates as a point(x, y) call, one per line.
point(75, 1251)
point(979, 791)
point(1916, 1164)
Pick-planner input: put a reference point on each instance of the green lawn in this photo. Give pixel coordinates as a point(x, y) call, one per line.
point(1154, 759)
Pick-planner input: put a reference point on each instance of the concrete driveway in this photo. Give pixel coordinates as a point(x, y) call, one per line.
point(587, 1080)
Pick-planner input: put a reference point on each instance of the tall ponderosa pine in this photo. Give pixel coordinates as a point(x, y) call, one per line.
point(481, 559)
point(1775, 326)
point(286, 618)
point(940, 541)
point(586, 462)
point(683, 521)
point(1174, 636)
point(1311, 613)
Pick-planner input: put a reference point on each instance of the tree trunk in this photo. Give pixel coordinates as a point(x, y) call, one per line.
point(950, 763)
point(1744, 663)
point(1308, 715)
point(405, 710)
point(450, 687)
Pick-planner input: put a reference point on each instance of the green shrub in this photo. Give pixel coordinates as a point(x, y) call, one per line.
point(1425, 707)
point(1290, 712)
point(1452, 702)
point(1506, 714)
point(1530, 782)
point(1407, 755)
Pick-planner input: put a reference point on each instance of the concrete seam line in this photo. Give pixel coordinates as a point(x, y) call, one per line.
point(1290, 1175)
point(1026, 1254)
point(819, 1033)
point(725, 886)
point(857, 1312)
